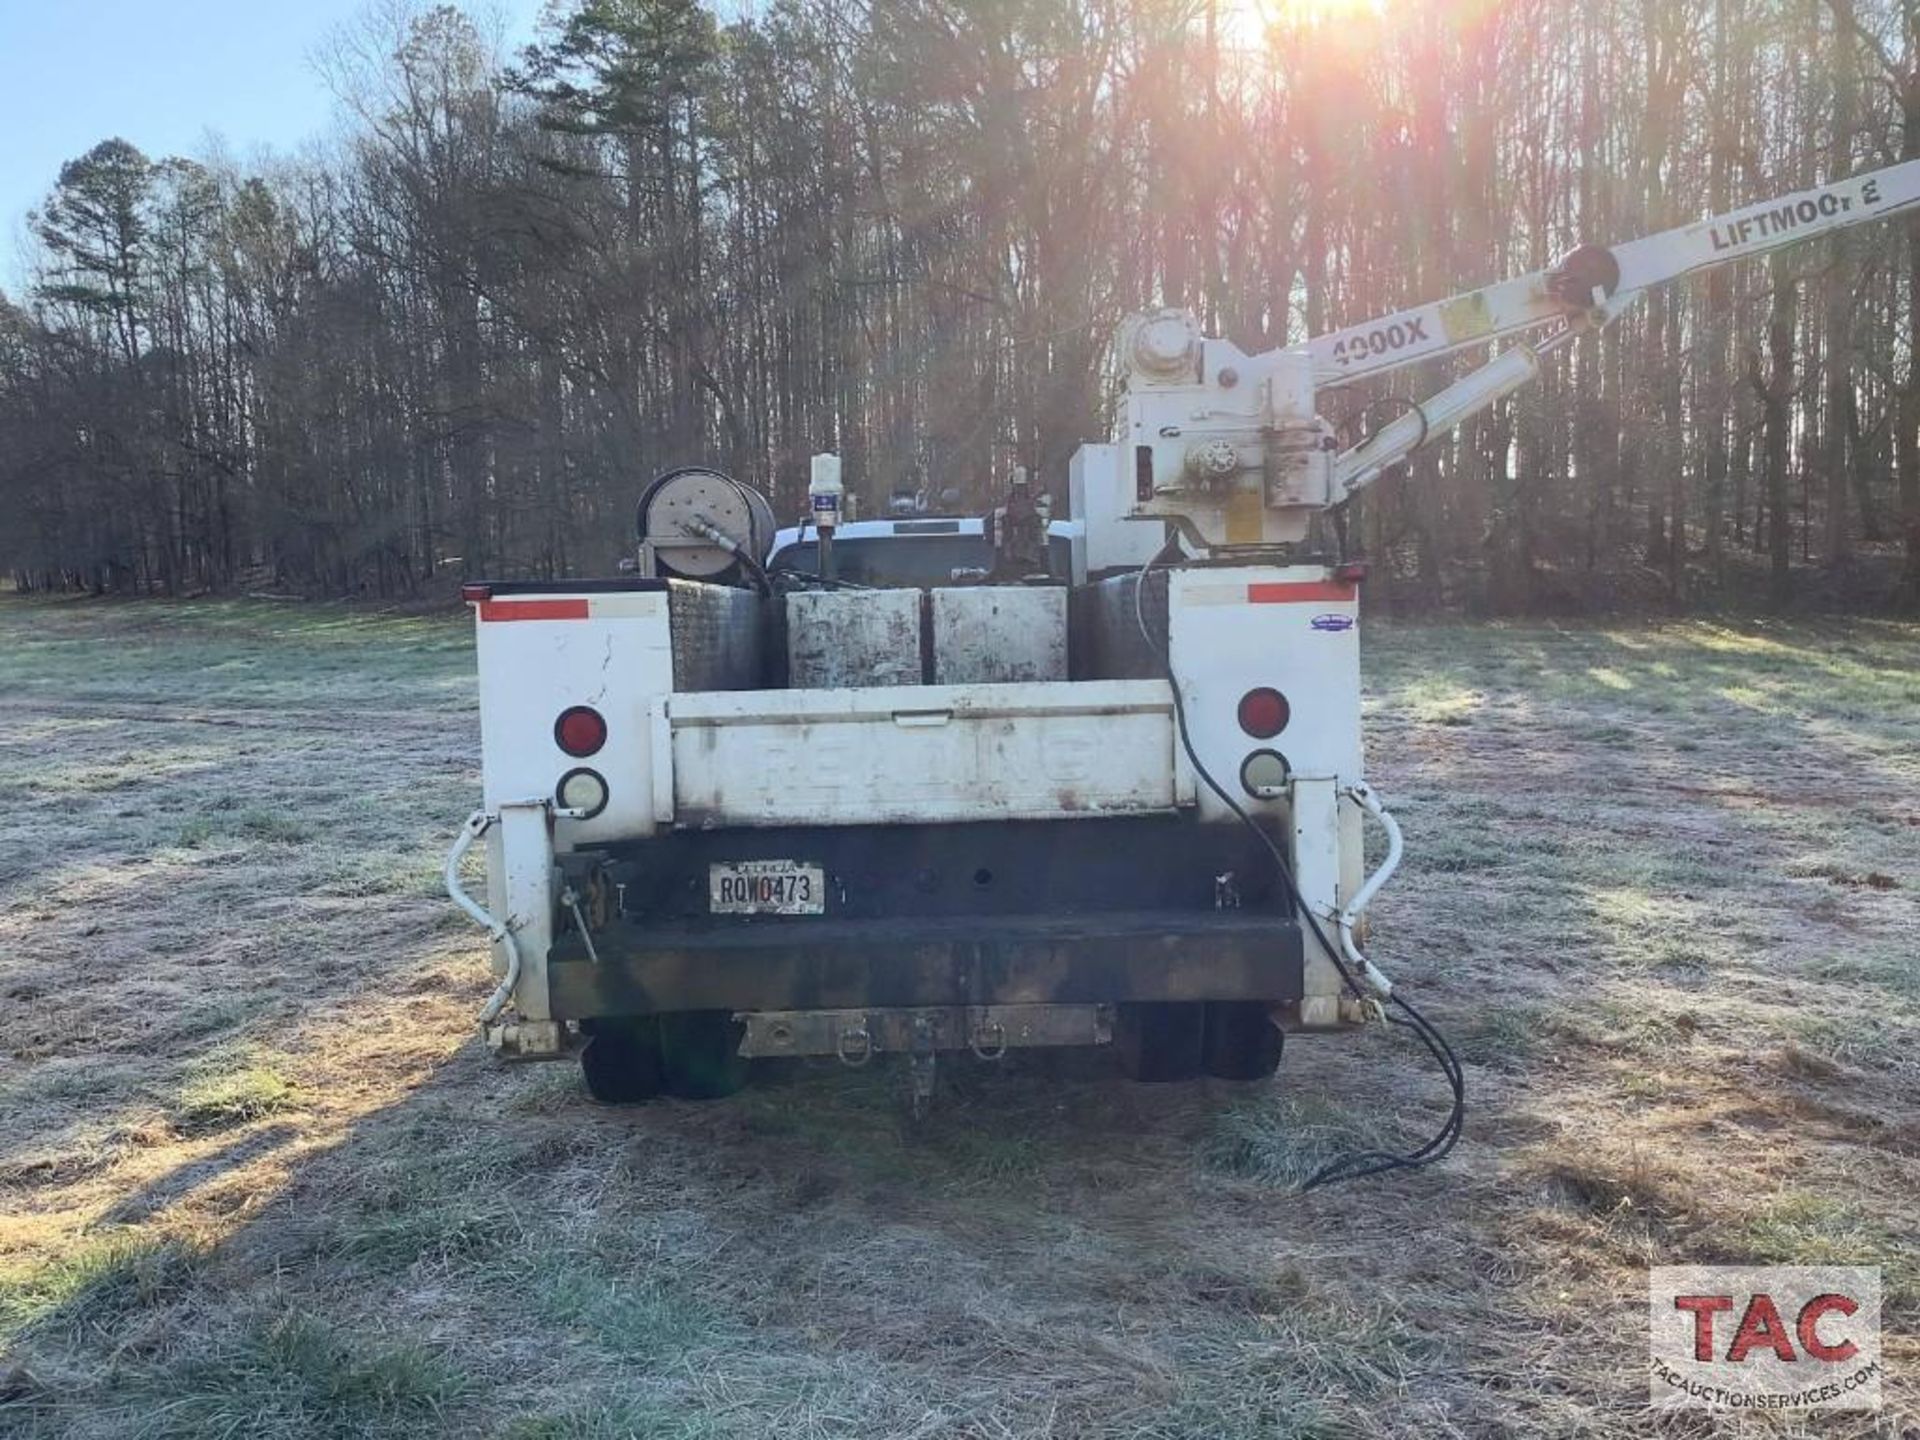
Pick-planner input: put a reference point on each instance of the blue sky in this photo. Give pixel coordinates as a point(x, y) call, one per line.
point(166, 75)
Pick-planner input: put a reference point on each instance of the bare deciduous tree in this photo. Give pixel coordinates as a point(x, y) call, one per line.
point(520, 285)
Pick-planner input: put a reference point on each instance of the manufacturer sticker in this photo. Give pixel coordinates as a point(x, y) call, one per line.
point(1332, 624)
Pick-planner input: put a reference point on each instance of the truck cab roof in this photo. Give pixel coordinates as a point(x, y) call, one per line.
point(913, 550)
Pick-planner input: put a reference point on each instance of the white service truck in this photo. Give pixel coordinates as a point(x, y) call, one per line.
point(740, 804)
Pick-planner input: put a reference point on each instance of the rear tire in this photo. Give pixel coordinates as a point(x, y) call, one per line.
point(1242, 1041)
point(700, 1054)
point(621, 1062)
point(1161, 1043)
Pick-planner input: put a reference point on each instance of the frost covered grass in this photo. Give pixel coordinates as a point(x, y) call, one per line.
point(1663, 889)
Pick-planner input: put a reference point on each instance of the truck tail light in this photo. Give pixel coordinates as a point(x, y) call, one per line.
point(583, 790)
point(580, 731)
point(1264, 712)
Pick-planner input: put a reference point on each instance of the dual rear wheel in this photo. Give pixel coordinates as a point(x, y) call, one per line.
point(694, 1055)
point(1182, 1040)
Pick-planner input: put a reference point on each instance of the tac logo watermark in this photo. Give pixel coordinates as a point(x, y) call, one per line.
point(1764, 1337)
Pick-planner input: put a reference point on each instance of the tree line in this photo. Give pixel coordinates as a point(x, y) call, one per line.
point(459, 339)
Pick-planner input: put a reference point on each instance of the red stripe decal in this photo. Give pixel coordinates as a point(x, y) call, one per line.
point(533, 609)
point(1283, 592)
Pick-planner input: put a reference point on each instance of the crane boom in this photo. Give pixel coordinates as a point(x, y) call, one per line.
point(1526, 302)
point(1231, 448)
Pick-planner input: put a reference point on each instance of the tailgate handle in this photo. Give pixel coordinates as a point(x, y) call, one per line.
point(921, 719)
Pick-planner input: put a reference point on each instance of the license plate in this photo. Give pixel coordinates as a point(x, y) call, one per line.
point(766, 887)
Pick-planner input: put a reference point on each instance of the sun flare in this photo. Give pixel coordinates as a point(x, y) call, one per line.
point(1249, 22)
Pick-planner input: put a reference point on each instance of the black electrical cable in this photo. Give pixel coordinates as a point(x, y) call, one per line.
point(1374, 1162)
point(761, 579)
point(1339, 514)
point(741, 552)
point(1361, 1163)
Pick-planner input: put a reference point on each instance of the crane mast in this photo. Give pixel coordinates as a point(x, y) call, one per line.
point(1231, 449)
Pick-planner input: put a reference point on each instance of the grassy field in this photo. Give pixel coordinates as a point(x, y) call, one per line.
point(256, 1178)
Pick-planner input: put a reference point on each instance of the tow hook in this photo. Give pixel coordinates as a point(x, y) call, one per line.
point(854, 1047)
point(989, 1041)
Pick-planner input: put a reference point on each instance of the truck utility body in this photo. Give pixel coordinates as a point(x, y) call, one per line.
point(1025, 861)
point(760, 802)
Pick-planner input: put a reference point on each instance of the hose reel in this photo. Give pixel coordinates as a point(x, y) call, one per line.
point(697, 523)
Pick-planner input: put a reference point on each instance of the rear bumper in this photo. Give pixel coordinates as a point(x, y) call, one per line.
point(831, 963)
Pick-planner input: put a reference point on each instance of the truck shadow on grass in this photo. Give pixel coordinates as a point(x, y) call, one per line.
point(1052, 1251)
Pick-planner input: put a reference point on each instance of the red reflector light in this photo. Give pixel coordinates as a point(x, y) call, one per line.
point(1351, 573)
point(580, 731)
point(474, 594)
point(1264, 713)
